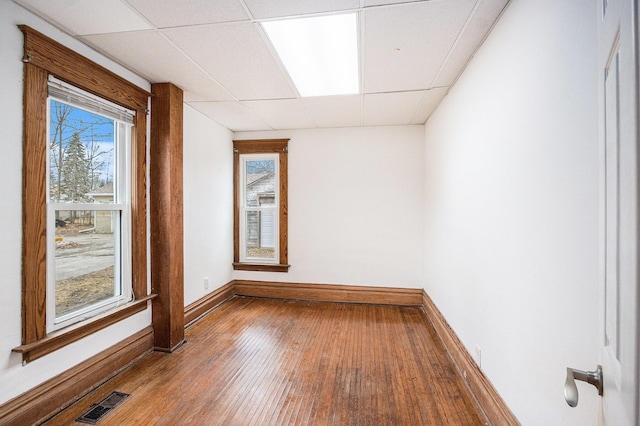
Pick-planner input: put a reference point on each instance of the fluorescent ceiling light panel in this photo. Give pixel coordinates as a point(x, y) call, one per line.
point(320, 53)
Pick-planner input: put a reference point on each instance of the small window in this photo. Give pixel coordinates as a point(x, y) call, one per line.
point(259, 208)
point(260, 192)
point(88, 206)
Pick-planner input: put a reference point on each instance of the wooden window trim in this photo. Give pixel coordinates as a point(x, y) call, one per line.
point(43, 57)
point(261, 146)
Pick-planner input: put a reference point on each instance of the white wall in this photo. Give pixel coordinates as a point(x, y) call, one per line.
point(511, 229)
point(15, 378)
point(356, 206)
point(208, 205)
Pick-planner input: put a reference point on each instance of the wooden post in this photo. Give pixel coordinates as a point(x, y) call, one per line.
point(166, 205)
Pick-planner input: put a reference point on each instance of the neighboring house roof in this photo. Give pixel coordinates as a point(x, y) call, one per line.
point(255, 178)
point(103, 191)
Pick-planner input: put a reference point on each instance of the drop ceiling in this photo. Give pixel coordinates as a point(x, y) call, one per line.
point(411, 52)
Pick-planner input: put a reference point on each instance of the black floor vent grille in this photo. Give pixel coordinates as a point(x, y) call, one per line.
point(99, 410)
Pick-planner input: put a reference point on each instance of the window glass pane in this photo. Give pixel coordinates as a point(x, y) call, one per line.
point(260, 183)
point(260, 234)
point(81, 155)
point(85, 259)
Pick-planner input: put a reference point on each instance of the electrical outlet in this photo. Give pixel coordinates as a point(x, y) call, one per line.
point(206, 283)
point(479, 356)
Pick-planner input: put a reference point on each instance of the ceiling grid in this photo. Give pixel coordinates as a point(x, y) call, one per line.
point(410, 53)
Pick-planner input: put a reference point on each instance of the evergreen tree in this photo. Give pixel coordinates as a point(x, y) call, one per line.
point(75, 172)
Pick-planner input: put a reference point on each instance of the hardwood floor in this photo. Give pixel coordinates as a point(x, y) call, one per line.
point(274, 362)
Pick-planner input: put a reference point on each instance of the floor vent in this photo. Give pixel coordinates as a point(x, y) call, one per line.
point(101, 409)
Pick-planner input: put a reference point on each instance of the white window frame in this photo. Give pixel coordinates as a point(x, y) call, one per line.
point(244, 158)
point(122, 224)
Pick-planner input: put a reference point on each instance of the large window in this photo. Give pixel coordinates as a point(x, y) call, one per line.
point(260, 205)
point(89, 173)
point(84, 261)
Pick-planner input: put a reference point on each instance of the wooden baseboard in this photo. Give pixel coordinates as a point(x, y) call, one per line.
point(487, 400)
point(202, 306)
point(57, 393)
point(329, 293)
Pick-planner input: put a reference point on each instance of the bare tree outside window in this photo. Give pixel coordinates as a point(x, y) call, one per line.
point(90, 164)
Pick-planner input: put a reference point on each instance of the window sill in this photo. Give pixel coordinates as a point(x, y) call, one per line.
point(261, 267)
point(61, 338)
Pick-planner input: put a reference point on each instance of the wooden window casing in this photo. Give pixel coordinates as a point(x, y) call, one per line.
point(43, 57)
point(262, 146)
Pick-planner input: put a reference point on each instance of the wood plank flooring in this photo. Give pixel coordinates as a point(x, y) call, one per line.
point(275, 362)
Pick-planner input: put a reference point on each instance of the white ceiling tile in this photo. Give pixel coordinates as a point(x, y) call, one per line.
point(405, 46)
point(236, 56)
point(335, 111)
point(412, 52)
point(89, 16)
point(262, 9)
point(381, 109)
point(369, 3)
point(232, 115)
point(430, 102)
point(174, 13)
point(282, 113)
point(477, 27)
point(152, 56)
